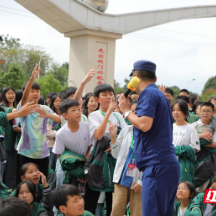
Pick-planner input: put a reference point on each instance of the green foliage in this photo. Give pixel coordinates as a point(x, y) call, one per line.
point(207, 95)
point(49, 83)
point(60, 72)
point(14, 77)
point(20, 61)
point(25, 57)
point(117, 88)
point(10, 43)
point(210, 84)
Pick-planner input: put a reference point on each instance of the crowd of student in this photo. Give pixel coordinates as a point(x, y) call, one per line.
point(73, 155)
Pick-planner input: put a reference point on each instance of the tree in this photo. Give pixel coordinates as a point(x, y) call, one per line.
point(210, 84)
point(14, 77)
point(12, 51)
point(126, 81)
point(10, 43)
point(117, 88)
point(207, 95)
point(32, 56)
point(49, 83)
point(60, 72)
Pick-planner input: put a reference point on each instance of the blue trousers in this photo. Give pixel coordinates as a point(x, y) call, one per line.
point(159, 189)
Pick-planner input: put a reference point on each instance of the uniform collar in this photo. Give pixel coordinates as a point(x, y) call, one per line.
point(199, 122)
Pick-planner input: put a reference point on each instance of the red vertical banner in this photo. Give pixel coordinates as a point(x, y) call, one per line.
point(101, 63)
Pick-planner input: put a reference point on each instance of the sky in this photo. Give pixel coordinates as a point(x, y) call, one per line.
point(182, 50)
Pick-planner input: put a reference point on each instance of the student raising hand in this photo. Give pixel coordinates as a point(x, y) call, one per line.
point(89, 75)
point(162, 88)
point(35, 72)
point(79, 91)
point(25, 97)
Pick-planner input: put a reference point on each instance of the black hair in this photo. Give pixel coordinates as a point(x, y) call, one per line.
point(103, 88)
point(209, 104)
point(183, 107)
point(63, 95)
point(66, 104)
point(192, 98)
point(85, 109)
point(184, 98)
point(34, 86)
point(184, 90)
point(59, 196)
point(25, 167)
point(30, 186)
point(195, 105)
point(51, 94)
point(87, 94)
point(133, 92)
point(169, 91)
point(190, 187)
point(42, 101)
point(53, 100)
point(146, 75)
point(4, 100)
point(19, 94)
point(134, 102)
point(70, 90)
point(14, 206)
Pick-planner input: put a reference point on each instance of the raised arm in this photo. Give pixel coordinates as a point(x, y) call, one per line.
point(27, 90)
point(87, 78)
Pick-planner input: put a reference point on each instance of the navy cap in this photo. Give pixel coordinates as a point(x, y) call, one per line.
point(144, 65)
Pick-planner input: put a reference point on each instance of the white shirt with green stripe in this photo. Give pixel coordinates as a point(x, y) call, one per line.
point(96, 118)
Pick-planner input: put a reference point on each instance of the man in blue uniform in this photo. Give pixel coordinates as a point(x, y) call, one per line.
point(154, 151)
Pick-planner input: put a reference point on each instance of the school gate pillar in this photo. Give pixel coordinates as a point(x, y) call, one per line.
point(90, 31)
point(92, 49)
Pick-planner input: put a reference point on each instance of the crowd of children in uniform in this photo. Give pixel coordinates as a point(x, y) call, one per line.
point(65, 156)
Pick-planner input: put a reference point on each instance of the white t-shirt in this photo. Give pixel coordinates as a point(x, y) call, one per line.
point(185, 135)
point(95, 119)
point(77, 142)
point(208, 209)
point(181, 212)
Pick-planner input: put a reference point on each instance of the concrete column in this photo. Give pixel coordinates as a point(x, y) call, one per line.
point(92, 49)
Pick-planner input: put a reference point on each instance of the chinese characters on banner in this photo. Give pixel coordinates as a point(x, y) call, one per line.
point(101, 63)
